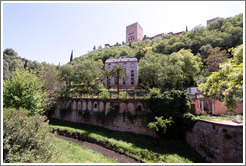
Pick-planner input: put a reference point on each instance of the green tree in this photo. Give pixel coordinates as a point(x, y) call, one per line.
point(106, 74)
point(71, 57)
point(227, 83)
point(86, 72)
point(67, 75)
point(189, 64)
point(118, 72)
point(215, 58)
point(24, 90)
point(171, 112)
point(10, 52)
point(149, 70)
point(51, 76)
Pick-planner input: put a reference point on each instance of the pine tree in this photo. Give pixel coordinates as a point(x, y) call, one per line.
point(186, 28)
point(94, 48)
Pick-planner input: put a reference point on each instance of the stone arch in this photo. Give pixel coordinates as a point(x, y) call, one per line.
point(83, 105)
point(101, 106)
point(89, 105)
point(123, 107)
point(139, 107)
point(130, 108)
point(79, 106)
point(107, 106)
point(95, 106)
point(74, 105)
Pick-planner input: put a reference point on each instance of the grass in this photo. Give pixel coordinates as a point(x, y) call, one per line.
point(144, 148)
point(218, 117)
point(73, 153)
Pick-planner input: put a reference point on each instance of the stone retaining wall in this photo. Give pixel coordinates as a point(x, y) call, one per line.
point(131, 116)
point(218, 143)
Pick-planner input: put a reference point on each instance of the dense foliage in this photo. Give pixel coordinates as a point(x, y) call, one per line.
point(227, 83)
point(171, 111)
point(26, 139)
point(24, 90)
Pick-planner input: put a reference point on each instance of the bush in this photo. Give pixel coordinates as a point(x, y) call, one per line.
point(26, 139)
point(154, 92)
point(160, 124)
point(104, 95)
point(123, 95)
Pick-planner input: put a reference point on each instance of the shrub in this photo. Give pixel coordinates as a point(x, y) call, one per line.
point(26, 139)
point(104, 95)
point(160, 124)
point(123, 95)
point(154, 92)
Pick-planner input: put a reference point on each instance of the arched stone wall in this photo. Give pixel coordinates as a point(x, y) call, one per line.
point(95, 106)
point(89, 106)
point(107, 107)
point(130, 108)
point(79, 108)
point(84, 105)
point(123, 107)
point(101, 106)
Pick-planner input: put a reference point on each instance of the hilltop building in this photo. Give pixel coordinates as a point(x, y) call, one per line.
point(131, 68)
point(134, 32)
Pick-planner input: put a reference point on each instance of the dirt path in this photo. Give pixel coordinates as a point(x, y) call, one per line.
point(104, 151)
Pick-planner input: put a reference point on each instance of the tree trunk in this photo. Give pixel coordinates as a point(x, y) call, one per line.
point(107, 83)
point(118, 85)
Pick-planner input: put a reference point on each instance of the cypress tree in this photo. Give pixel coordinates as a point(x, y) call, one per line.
point(71, 57)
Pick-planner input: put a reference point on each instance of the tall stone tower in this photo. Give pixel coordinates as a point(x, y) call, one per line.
point(134, 32)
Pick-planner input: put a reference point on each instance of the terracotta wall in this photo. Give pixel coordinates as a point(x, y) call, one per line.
point(219, 107)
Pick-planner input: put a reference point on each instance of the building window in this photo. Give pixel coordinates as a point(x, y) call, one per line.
point(132, 65)
point(109, 81)
point(109, 66)
point(116, 80)
point(124, 81)
point(132, 73)
point(124, 65)
point(95, 106)
point(132, 81)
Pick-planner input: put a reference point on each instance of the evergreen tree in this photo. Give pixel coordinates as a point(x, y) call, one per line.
point(71, 57)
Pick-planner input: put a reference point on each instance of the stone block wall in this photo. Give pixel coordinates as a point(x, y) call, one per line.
point(218, 143)
point(131, 116)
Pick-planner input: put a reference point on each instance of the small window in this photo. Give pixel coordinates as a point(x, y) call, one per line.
point(132, 72)
point(109, 66)
point(124, 81)
point(124, 65)
point(95, 105)
point(132, 80)
point(109, 81)
point(116, 80)
point(132, 65)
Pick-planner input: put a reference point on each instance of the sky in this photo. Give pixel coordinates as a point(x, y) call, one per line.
point(50, 31)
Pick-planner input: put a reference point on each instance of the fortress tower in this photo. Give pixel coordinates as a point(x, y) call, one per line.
point(134, 32)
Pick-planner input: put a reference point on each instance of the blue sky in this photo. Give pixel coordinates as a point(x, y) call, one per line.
point(49, 31)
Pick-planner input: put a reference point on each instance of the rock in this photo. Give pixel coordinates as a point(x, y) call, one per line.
point(237, 119)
